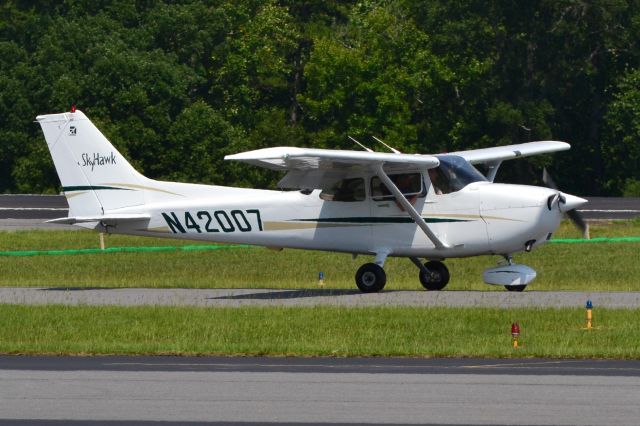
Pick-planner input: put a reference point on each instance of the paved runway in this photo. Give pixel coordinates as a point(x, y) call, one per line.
point(19, 212)
point(312, 297)
point(128, 390)
point(33, 206)
point(610, 208)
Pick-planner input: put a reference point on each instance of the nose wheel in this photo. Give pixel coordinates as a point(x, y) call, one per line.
point(515, 287)
point(434, 275)
point(371, 278)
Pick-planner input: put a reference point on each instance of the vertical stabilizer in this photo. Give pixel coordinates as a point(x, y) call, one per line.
point(95, 177)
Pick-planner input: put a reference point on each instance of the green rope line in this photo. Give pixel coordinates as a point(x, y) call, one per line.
point(211, 247)
point(596, 240)
point(123, 250)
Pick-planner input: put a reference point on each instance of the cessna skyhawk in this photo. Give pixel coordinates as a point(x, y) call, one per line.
point(422, 207)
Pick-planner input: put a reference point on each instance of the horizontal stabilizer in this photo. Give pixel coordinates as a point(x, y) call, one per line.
point(111, 219)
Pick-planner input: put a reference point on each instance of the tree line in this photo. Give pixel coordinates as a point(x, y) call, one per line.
point(176, 85)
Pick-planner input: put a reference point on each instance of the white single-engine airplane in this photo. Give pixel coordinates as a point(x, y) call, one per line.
point(360, 202)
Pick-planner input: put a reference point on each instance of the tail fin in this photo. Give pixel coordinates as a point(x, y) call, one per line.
point(95, 177)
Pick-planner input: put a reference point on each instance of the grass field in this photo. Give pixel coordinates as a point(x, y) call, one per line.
point(318, 331)
point(601, 266)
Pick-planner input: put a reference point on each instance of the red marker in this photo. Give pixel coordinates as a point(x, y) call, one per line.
point(515, 333)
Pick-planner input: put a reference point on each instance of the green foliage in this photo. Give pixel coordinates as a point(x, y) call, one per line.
point(623, 152)
point(176, 83)
point(377, 79)
point(196, 143)
point(631, 188)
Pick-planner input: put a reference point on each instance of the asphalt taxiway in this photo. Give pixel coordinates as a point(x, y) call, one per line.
point(135, 390)
point(84, 296)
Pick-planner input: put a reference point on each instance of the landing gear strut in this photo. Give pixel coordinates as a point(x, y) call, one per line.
point(517, 288)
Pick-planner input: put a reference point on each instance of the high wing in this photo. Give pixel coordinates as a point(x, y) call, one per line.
point(493, 157)
point(508, 152)
point(319, 168)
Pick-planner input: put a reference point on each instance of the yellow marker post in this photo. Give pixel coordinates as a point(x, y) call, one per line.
point(589, 307)
point(321, 279)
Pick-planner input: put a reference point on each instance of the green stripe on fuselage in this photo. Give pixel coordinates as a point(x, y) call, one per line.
point(378, 220)
point(90, 188)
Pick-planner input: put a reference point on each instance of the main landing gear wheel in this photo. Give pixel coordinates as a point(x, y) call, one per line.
point(371, 278)
point(436, 277)
point(515, 287)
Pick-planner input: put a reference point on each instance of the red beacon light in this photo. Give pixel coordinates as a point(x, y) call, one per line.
point(515, 333)
point(515, 329)
point(73, 108)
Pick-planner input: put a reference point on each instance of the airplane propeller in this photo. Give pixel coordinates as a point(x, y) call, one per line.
point(572, 213)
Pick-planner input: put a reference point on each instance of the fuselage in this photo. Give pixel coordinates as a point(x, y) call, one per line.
point(481, 218)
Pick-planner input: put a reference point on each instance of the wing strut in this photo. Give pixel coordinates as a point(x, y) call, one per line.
point(400, 198)
point(492, 169)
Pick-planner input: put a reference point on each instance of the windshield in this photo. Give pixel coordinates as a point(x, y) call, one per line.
point(453, 174)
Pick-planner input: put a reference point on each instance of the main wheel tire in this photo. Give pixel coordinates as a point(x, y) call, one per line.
point(515, 287)
point(371, 278)
point(437, 276)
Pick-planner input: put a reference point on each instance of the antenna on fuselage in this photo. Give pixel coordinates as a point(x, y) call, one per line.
point(395, 151)
point(354, 139)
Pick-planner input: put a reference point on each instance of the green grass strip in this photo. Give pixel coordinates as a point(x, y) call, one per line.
point(23, 253)
point(595, 240)
point(318, 331)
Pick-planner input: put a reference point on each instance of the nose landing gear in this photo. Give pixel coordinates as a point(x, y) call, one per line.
point(515, 287)
point(514, 277)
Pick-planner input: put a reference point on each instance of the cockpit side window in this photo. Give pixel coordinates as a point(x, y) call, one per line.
point(410, 184)
point(347, 190)
point(453, 174)
point(439, 181)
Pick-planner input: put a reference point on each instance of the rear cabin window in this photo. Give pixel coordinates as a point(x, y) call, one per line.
point(346, 190)
point(410, 184)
